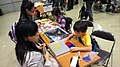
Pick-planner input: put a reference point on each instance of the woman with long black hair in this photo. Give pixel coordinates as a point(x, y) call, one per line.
point(27, 10)
point(27, 52)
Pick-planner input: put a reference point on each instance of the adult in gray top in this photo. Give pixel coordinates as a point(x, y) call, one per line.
point(27, 52)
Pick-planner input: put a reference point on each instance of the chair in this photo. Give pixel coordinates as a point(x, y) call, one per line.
point(105, 55)
point(68, 24)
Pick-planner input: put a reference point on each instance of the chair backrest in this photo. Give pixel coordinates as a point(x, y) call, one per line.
point(107, 36)
point(68, 23)
point(103, 35)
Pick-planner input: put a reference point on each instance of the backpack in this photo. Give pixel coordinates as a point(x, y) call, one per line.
point(83, 14)
point(11, 33)
point(68, 23)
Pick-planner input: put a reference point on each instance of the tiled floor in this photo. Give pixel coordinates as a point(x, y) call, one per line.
point(108, 22)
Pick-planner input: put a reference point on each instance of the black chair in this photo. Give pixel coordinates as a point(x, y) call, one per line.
point(68, 24)
point(105, 55)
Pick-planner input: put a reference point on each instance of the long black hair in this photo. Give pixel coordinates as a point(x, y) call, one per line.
point(25, 5)
point(24, 29)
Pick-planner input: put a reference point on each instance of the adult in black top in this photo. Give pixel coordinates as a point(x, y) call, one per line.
point(27, 9)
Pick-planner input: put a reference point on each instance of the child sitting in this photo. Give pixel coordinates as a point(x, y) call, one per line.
point(80, 30)
point(59, 17)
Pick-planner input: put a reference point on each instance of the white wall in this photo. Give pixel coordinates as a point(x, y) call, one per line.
point(10, 5)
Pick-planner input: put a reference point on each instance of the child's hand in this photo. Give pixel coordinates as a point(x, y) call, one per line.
point(74, 49)
point(69, 37)
point(66, 40)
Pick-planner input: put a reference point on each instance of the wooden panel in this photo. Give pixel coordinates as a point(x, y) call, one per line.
point(76, 42)
point(45, 38)
point(65, 58)
point(63, 61)
point(85, 64)
point(43, 9)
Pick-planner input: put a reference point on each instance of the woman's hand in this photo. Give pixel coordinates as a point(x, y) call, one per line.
point(42, 46)
point(47, 56)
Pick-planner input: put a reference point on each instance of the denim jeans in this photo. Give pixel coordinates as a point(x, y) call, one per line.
point(89, 9)
point(70, 4)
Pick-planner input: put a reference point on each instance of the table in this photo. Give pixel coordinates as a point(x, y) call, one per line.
point(43, 8)
point(44, 25)
point(64, 59)
point(54, 34)
point(42, 28)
